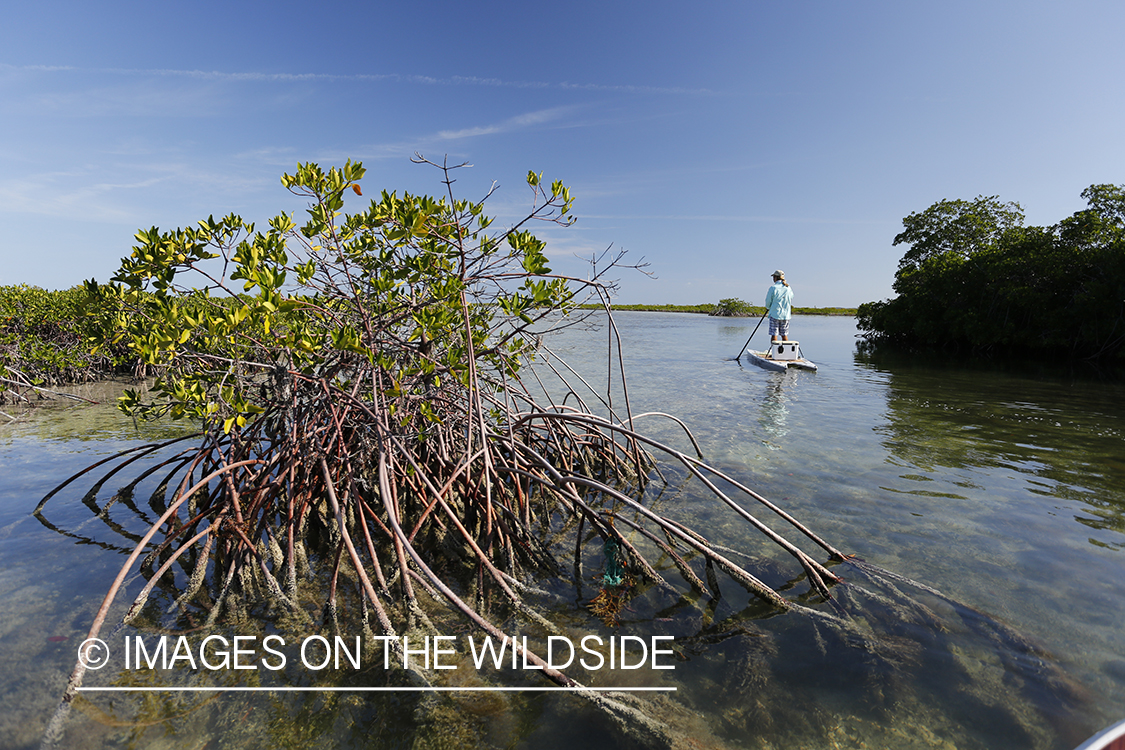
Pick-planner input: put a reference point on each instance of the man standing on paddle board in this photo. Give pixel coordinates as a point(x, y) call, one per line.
point(779, 301)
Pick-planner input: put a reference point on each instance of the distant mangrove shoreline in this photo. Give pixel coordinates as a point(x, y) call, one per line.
point(46, 337)
point(713, 309)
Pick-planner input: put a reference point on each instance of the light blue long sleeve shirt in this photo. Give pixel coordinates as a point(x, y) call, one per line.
point(779, 300)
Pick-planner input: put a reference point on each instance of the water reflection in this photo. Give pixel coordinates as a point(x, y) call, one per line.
point(956, 430)
point(774, 413)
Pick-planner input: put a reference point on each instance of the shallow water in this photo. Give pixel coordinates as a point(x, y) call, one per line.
point(1001, 489)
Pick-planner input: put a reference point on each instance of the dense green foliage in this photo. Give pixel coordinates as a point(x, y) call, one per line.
point(412, 290)
point(974, 276)
point(44, 334)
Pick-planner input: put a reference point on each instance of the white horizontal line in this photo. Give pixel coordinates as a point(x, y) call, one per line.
point(369, 689)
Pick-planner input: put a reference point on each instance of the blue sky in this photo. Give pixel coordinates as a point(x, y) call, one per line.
point(715, 140)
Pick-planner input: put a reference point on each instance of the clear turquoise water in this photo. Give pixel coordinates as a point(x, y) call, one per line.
point(1004, 488)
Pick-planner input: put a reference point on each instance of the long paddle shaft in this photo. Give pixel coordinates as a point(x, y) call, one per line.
point(739, 357)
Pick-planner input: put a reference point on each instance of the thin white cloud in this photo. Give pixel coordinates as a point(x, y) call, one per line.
point(85, 194)
point(217, 75)
point(421, 144)
point(517, 122)
point(633, 89)
point(69, 195)
point(453, 135)
point(36, 68)
point(540, 116)
point(124, 101)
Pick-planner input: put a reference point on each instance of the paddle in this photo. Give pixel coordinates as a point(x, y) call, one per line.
point(739, 357)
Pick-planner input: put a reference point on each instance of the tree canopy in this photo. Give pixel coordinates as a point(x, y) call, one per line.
point(958, 227)
point(975, 276)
